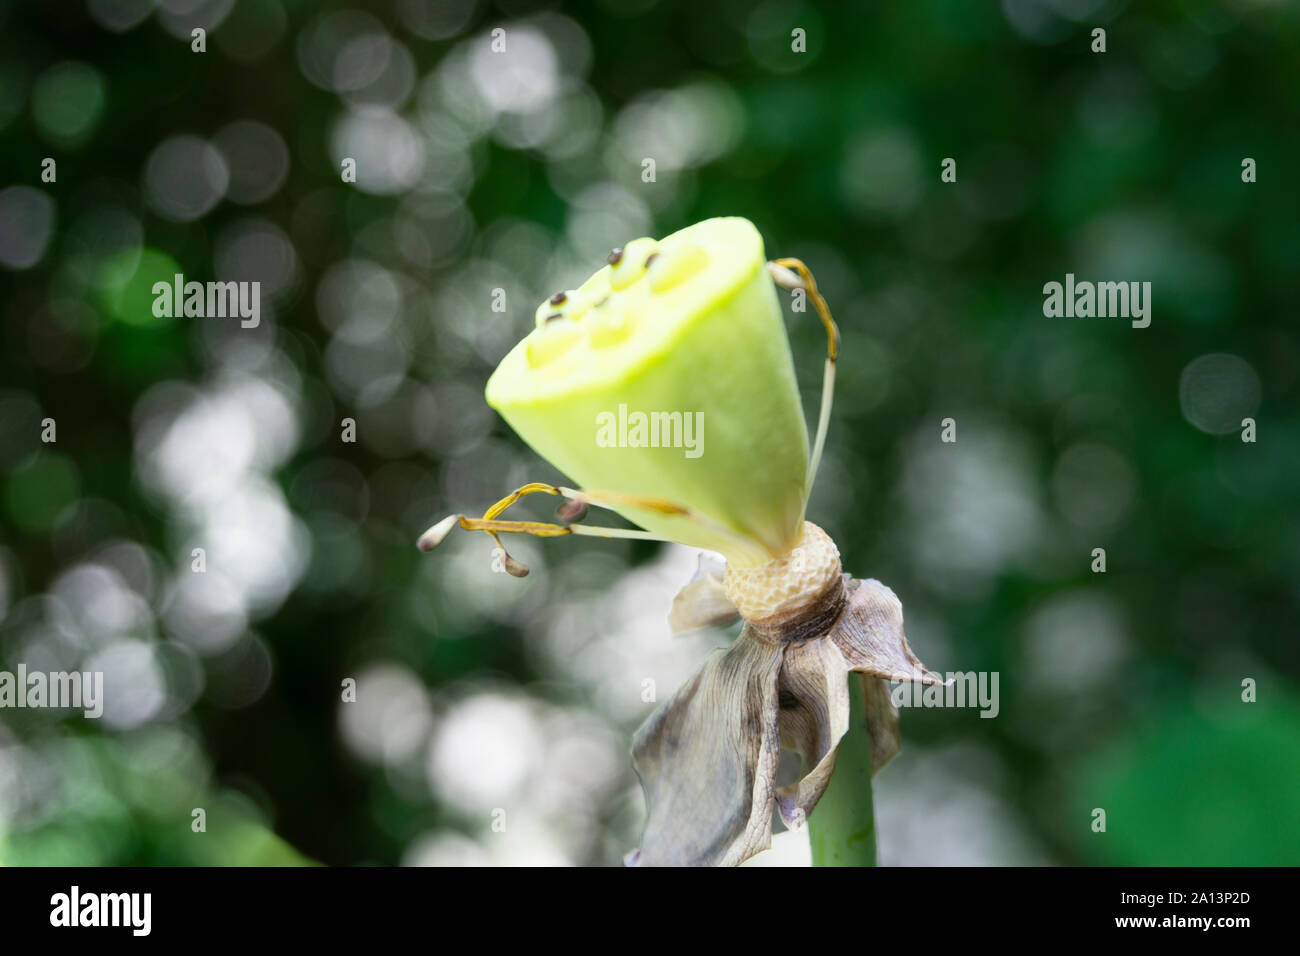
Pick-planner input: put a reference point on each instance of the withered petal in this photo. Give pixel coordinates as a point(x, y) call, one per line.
point(703, 601)
point(813, 690)
point(882, 721)
point(870, 634)
point(707, 757)
point(813, 695)
point(707, 760)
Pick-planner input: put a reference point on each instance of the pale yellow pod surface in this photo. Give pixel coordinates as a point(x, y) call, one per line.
point(696, 330)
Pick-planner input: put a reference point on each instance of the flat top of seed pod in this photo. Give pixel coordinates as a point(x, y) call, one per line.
point(629, 312)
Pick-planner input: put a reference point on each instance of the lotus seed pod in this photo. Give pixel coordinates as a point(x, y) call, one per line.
point(675, 267)
point(551, 340)
point(686, 337)
point(629, 263)
point(570, 304)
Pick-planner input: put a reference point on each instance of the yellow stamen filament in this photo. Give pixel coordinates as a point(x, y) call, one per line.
point(809, 284)
point(545, 529)
point(609, 499)
point(492, 525)
point(531, 488)
point(793, 274)
point(540, 529)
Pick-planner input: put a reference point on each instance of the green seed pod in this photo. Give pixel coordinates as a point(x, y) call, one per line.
point(669, 375)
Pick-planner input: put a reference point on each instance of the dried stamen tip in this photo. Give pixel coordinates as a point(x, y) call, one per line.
point(651, 258)
point(553, 316)
point(433, 537)
point(516, 568)
point(571, 511)
point(615, 257)
point(785, 278)
point(558, 298)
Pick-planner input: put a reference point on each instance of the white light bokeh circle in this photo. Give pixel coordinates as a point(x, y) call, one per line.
point(389, 154)
point(1217, 391)
point(390, 719)
point(257, 159)
point(184, 178)
point(26, 226)
point(135, 689)
point(484, 750)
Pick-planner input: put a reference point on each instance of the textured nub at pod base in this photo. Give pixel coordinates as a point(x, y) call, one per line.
point(777, 597)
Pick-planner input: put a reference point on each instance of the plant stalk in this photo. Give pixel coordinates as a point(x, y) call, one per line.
point(842, 827)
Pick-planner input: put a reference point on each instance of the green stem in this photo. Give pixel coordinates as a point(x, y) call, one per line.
point(842, 827)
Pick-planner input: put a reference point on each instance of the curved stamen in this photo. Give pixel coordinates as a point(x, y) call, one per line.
point(791, 273)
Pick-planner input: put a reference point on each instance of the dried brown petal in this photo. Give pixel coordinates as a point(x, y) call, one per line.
point(813, 690)
point(882, 722)
point(870, 634)
point(813, 695)
point(703, 601)
point(707, 759)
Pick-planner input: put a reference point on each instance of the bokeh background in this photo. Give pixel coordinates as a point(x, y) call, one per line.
point(477, 692)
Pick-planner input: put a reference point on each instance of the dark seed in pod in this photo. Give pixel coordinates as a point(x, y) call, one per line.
point(553, 316)
point(615, 257)
point(558, 298)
